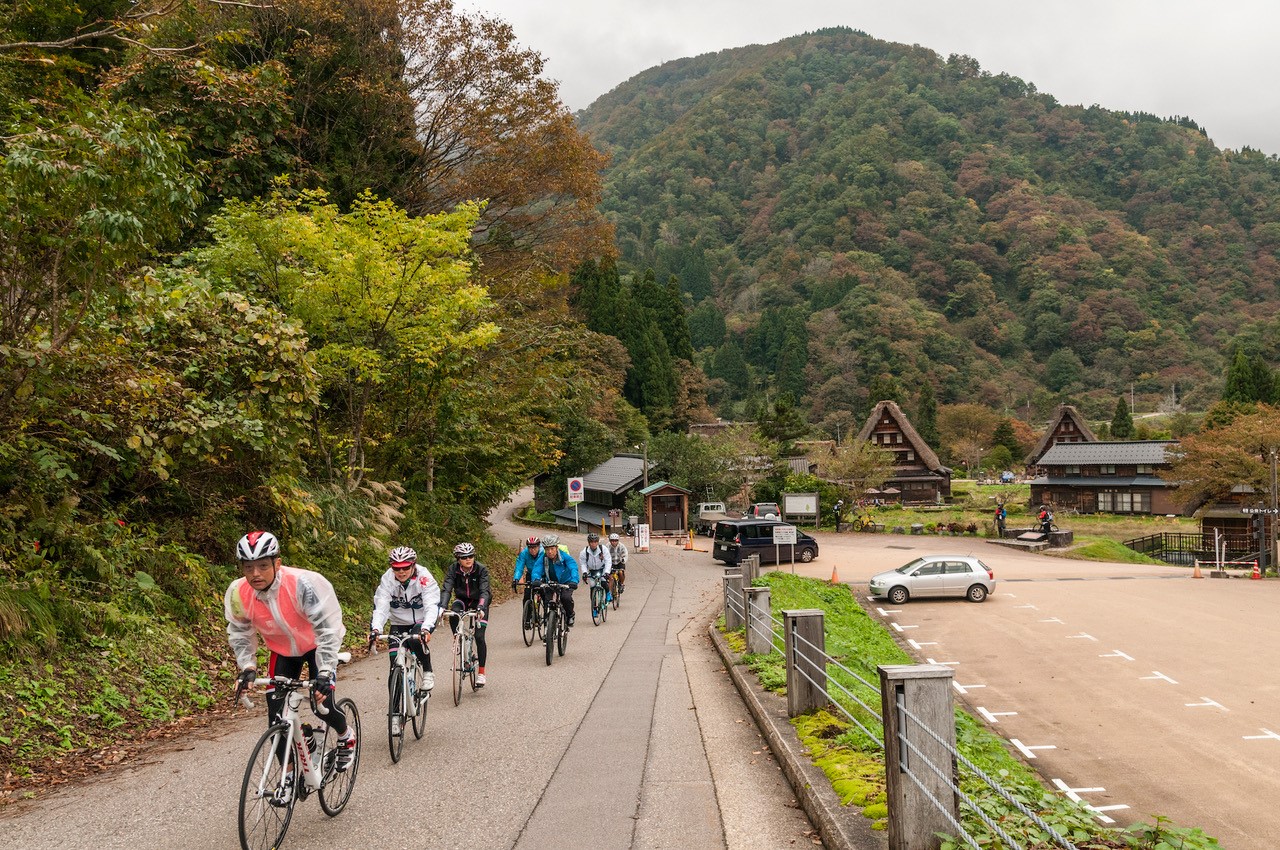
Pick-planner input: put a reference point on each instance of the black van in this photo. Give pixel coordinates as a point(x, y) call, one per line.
point(736, 539)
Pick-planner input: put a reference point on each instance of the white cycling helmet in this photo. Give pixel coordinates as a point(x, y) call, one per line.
point(614, 538)
point(402, 556)
point(464, 550)
point(550, 540)
point(257, 544)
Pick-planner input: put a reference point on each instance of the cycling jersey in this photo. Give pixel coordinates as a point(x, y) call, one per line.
point(618, 554)
point(595, 560)
point(528, 566)
point(470, 587)
point(563, 570)
point(297, 614)
point(407, 603)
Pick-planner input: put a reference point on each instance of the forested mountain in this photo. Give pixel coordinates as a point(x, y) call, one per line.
point(848, 216)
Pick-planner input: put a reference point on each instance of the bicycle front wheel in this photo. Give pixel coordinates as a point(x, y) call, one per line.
point(550, 629)
point(527, 625)
point(562, 636)
point(457, 669)
point(266, 802)
point(336, 787)
point(396, 713)
point(597, 606)
point(419, 711)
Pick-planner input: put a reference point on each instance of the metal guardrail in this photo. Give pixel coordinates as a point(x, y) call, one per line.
point(1179, 547)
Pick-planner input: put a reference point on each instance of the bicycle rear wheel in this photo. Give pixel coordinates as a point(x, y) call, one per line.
point(336, 787)
point(422, 698)
point(472, 662)
point(550, 630)
point(266, 803)
point(617, 592)
point(457, 672)
point(562, 636)
point(527, 626)
point(395, 713)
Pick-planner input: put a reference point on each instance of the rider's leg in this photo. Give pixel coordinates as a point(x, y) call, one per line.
point(566, 600)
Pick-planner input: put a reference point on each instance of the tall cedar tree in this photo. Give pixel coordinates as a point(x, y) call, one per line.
point(1121, 421)
point(926, 418)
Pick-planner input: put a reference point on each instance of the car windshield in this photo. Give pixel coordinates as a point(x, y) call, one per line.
point(906, 568)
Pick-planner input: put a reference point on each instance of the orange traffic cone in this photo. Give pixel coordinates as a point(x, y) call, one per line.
point(835, 579)
point(1196, 572)
point(688, 544)
point(1257, 573)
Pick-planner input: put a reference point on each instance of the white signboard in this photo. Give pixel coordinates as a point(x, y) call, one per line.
point(784, 535)
point(576, 492)
point(642, 536)
point(800, 505)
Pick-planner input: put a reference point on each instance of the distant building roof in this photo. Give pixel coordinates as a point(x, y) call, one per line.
point(800, 465)
point(711, 429)
point(923, 451)
point(1052, 435)
point(617, 474)
point(660, 485)
point(1074, 454)
point(1102, 481)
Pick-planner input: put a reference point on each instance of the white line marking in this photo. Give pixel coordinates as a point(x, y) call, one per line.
point(916, 644)
point(1032, 607)
point(1269, 734)
point(1074, 795)
point(992, 715)
point(1053, 620)
point(944, 663)
point(1207, 702)
point(903, 628)
point(1116, 654)
point(884, 613)
point(1156, 674)
point(964, 689)
point(1083, 635)
point(1027, 750)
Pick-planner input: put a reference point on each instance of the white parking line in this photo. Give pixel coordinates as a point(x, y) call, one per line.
point(903, 628)
point(1054, 620)
point(1032, 607)
point(1116, 654)
point(884, 613)
point(1269, 734)
point(1074, 795)
point(964, 689)
point(1207, 702)
point(1083, 635)
point(921, 644)
point(1156, 674)
point(992, 715)
point(1027, 750)
point(944, 663)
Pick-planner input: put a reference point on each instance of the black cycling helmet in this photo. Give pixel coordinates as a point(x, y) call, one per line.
point(592, 537)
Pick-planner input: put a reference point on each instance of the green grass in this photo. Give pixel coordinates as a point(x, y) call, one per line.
point(850, 756)
point(1104, 549)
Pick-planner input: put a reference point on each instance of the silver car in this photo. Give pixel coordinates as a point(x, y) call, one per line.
point(936, 575)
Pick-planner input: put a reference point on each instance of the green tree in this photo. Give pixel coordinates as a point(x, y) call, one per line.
point(1062, 369)
point(1004, 436)
point(1121, 421)
point(1208, 466)
point(1249, 379)
point(857, 466)
point(706, 326)
point(926, 418)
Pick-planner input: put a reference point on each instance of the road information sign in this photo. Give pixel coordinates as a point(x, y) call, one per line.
point(575, 490)
point(784, 535)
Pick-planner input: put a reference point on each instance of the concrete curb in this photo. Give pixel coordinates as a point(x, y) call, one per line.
point(840, 828)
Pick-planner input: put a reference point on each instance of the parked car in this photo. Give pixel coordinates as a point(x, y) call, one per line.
point(736, 539)
point(765, 510)
point(936, 575)
point(709, 513)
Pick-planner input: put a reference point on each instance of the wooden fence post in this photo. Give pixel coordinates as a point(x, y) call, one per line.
point(759, 620)
point(917, 813)
point(733, 603)
point(805, 654)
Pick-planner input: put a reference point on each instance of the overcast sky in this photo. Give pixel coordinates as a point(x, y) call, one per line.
point(1216, 61)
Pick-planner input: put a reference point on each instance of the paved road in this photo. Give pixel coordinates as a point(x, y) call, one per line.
point(635, 738)
point(1157, 691)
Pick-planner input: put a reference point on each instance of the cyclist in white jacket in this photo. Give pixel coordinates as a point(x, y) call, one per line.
point(594, 560)
point(409, 597)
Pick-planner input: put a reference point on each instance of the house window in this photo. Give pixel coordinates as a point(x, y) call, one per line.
point(1107, 469)
point(1071, 470)
point(1143, 469)
point(1124, 503)
point(911, 455)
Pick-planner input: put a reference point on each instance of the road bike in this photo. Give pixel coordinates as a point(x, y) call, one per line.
point(532, 615)
point(555, 626)
point(616, 587)
point(465, 662)
point(406, 698)
point(291, 761)
point(599, 596)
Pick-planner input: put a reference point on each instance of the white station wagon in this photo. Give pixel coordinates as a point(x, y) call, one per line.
point(936, 575)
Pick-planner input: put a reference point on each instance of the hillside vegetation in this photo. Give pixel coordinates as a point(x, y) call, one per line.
point(847, 214)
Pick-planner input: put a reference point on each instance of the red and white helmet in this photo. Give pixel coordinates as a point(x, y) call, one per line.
point(257, 544)
point(402, 556)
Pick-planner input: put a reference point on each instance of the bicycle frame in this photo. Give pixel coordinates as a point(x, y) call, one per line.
point(465, 663)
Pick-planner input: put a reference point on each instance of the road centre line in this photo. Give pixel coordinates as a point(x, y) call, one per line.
point(1027, 750)
point(992, 715)
point(1115, 653)
point(1156, 674)
point(1207, 703)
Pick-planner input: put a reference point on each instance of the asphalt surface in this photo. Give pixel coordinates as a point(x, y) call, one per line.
point(635, 738)
point(1138, 688)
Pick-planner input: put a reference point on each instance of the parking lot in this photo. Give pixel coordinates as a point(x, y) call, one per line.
point(1136, 689)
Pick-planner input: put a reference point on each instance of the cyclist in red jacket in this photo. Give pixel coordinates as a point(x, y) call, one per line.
point(296, 612)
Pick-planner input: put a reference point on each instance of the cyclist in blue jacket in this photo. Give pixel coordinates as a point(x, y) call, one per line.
point(529, 570)
point(560, 567)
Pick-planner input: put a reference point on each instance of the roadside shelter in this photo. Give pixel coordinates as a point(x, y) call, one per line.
point(666, 508)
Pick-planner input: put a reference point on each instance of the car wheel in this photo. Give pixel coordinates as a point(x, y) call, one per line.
point(806, 555)
point(898, 595)
point(977, 593)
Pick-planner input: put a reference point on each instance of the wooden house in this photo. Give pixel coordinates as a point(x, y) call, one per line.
point(1066, 426)
point(1105, 477)
point(918, 475)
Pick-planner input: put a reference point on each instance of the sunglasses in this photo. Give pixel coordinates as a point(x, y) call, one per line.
point(401, 567)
